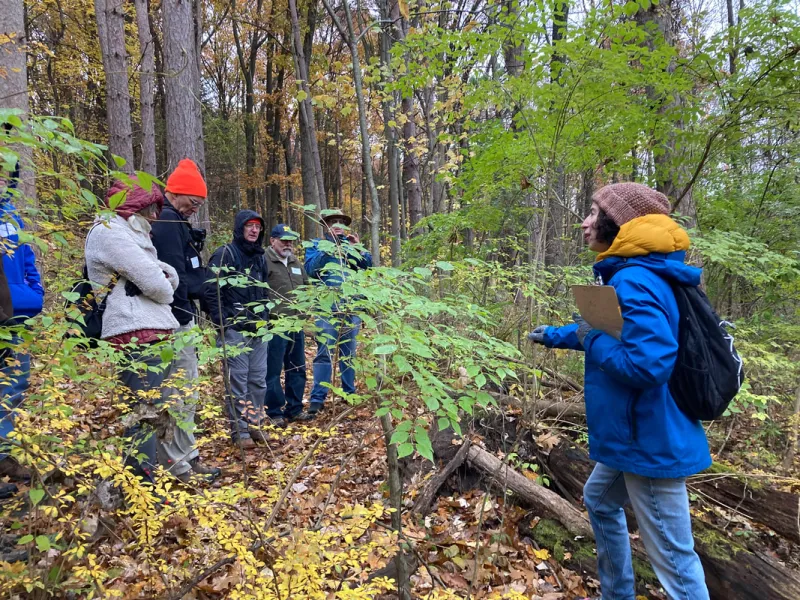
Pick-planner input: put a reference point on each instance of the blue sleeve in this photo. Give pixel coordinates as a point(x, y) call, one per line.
point(562, 337)
point(314, 261)
point(365, 262)
point(645, 355)
point(32, 276)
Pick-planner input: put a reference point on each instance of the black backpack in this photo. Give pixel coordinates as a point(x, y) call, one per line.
point(708, 371)
point(83, 298)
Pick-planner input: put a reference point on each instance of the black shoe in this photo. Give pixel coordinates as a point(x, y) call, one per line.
point(201, 469)
point(7, 490)
point(302, 417)
point(279, 422)
point(315, 408)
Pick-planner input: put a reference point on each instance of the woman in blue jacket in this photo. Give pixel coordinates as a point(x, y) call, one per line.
point(27, 295)
point(645, 447)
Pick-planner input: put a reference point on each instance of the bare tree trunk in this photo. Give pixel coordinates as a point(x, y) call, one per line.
point(111, 31)
point(313, 181)
point(391, 146)
point(146, 88)
point(349, 36)
point(14, 85)
point(396, 497)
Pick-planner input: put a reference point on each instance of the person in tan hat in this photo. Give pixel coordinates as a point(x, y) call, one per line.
point(644, 444)
point(176, 242)
point(330, 263)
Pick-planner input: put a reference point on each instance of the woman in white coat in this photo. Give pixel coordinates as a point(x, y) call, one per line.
point(119, 253)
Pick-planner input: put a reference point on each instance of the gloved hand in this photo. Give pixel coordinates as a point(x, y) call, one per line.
point(583, 327)
point(537, 335)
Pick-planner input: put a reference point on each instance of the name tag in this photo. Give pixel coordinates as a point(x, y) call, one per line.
point(296, 271)
point(195, 262)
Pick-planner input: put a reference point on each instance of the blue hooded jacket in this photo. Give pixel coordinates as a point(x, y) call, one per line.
point(634, 424)
point(318, 258)
point(19, 262)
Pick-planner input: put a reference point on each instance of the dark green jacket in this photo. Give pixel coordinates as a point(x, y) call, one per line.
point(283, 280)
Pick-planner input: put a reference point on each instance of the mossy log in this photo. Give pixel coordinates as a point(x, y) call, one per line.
point(732, 570)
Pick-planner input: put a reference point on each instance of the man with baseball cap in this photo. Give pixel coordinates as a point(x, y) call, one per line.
point(287, 346)
point(175, 241)
point(331, 263)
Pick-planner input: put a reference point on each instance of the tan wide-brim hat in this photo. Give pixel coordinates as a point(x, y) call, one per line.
point(337, 217)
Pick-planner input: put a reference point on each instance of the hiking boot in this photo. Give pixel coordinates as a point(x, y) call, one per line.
point(201, 469)
point(13, 470)
point(301, 417)
point(7, 490)
point(258, 436)
point(246, 443)
point(315, 408)
point(279, 422)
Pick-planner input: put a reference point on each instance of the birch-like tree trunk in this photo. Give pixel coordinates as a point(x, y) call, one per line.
point(111, 31)
point(14, 84)
point(146, 87)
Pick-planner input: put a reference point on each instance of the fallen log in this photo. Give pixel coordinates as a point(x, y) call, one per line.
point(546, 502)
point(555, 410)
point(732, 570)
point(775, 509)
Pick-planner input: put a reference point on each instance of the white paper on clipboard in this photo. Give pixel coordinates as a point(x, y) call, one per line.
point(598, 304)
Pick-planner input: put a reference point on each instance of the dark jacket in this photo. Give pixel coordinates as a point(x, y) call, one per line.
point(172, 239)
point(19, 262)
point(6, 306)
point(240, 299)
point(283, 280)
point(338, 257)
point(634, 424)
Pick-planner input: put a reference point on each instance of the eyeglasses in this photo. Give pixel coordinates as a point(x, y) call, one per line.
point(196, 203)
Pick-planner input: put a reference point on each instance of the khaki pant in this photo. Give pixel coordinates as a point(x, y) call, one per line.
point(175, 455)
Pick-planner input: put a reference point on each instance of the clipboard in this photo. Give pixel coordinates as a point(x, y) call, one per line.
point(598, 304)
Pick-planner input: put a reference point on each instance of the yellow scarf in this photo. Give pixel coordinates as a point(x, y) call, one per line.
point(647, 234)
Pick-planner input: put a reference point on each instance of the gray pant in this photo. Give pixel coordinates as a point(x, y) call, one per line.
point(248, 382)
point(175, 455)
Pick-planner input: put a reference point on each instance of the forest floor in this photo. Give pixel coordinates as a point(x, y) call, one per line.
point(472, 542)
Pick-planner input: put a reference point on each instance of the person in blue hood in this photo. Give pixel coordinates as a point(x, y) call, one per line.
point(27, 297)
point(644, 445)
point(330, 263)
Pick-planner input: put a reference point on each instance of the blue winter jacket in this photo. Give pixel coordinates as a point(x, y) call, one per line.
point(634, 424)
point(19, 262)
point(318, 258)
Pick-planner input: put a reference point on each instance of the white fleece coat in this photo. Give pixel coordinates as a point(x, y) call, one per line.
point(124, 246)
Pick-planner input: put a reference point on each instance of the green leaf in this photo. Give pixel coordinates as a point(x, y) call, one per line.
point(371, 382)
point(444, 265)
point(71, 296)
point(25, 539)
point(301, 95)
point(473, 370)
point(423, 443)
point(36, 495)
point(42, 543)
point(386, 349)
point(398, 437)
point(480, 380)
point(404, 450)
point(401, 363)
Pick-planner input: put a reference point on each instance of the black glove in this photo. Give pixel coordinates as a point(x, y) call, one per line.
point(131, 289)
point(583, 327)
point(537, 335)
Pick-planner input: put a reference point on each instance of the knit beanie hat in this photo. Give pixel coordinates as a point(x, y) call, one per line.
point(186, 180)
point(624, 202)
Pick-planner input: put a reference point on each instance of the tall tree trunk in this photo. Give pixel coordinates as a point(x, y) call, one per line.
point(111, 31)
point(391, 146)
point(14, 85)
point(348, 33)
point(182, 89)
point(146, 87)
point(313, 181)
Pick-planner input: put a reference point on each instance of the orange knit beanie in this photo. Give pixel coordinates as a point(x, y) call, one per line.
point(186, 180)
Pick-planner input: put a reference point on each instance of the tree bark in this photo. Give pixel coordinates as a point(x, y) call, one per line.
point(313, 181)
point(391, 145)
point(111, 31)
point(396, 497)
point(14, 86)
point(146, 87)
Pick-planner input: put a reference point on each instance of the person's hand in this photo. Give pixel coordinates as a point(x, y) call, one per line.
point(353, 238)
point(537, 335)
point(583, 327)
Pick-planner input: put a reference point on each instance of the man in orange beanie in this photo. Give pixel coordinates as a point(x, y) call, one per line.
point(178, 244)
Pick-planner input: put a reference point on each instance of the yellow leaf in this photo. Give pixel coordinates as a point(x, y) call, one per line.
point(403, 6)
point(542, 554)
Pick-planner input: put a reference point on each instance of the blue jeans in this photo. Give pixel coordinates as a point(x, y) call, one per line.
point(16, 380)
point(662, 512)
point(286, 355)
point(339, 333)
